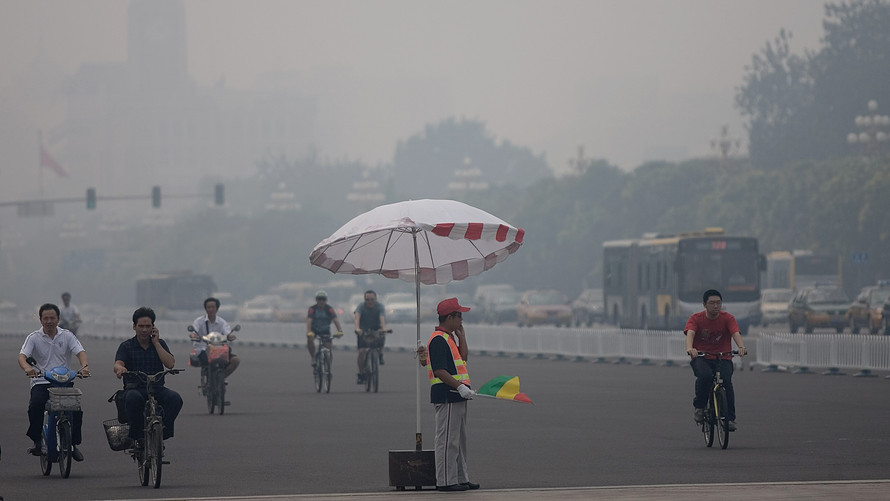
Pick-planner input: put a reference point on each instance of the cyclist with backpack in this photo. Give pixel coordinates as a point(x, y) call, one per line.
point(318, 323)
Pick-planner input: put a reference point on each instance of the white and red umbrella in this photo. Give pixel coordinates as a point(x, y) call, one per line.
point(420, 241)
point(439, 240)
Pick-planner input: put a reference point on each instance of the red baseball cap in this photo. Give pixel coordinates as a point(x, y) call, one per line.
point(449, 306)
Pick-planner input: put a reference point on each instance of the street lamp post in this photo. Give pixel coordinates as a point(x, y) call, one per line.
point(724, 145)
point(872, 131)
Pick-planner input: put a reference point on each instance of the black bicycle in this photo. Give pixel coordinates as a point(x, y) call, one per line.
point(374, 342)
point(150, 457)
point(716, 421)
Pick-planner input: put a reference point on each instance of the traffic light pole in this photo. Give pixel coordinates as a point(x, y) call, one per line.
point(44, 206)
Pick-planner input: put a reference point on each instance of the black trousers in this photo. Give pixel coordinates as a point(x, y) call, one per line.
point(36, 406)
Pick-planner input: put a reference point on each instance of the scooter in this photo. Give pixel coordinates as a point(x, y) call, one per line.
point(213, 361)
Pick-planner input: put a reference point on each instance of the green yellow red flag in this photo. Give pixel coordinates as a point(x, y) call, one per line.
point(505, 388)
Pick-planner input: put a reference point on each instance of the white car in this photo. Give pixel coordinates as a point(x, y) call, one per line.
point(774, 306)
point(259, 309)
point(400, 307)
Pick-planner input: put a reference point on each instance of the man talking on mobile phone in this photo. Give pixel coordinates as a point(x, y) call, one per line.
point(449, 391)
point(146, 352)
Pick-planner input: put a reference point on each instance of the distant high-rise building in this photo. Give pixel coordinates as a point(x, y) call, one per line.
point(144, 122)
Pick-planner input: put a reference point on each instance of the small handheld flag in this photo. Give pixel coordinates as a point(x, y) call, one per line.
point(505, 388)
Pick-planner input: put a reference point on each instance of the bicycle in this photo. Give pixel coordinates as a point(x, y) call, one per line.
point(324, 362)
point(373, 342)
point(150, 457)
point(716, 408)
point(64, 400)
point(213, 369)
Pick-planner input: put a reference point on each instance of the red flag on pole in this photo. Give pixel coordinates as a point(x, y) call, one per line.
point(47, 160)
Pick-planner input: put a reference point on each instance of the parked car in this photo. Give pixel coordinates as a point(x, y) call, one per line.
point(819, 307)
point(290, 311)
point(885, 315)
point(259, 309)
point(485, 294)
point(400, 307)
point(774, 305)
point(543, 307)
point(228, 308)
point(354, 301)
point(502, 308)
point(866, 311)
point(588, 307)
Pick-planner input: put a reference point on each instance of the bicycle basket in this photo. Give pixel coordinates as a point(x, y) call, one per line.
point(117, 434)
point(64, 399)
point(373, 338)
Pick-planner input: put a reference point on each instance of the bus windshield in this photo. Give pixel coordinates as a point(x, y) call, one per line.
point(735, 274)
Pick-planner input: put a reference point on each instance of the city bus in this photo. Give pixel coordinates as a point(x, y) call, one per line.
point(177, 291)
point(801, 268)
point(657, 281)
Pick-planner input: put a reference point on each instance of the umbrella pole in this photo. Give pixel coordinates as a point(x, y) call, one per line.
point(418, 435)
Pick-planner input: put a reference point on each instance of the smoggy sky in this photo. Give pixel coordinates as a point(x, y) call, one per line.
point(631, 80)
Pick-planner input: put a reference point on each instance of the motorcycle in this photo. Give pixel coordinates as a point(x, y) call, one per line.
point(64, 399)
point(213, 361)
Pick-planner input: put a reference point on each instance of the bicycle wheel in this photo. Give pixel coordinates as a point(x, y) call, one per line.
point(370, 354)
point(326, 372)
point(374, 377)
point(221, 390)
point(204, 381)
point(63, 429)
point(707, 426)
point(318, 373)
point(46, 466)
point(154, 453)
point(722, 421)
point(143, 464)
point(211, 390)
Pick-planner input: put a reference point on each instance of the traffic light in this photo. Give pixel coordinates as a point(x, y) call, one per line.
point(91, 198)
point(219, 194)
point(156, 197)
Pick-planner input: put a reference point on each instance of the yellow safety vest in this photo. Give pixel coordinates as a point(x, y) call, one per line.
point(462, 375)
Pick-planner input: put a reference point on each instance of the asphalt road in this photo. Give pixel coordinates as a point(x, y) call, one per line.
point(592, 425)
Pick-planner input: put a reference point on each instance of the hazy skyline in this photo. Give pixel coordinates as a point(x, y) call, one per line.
point(632, 81)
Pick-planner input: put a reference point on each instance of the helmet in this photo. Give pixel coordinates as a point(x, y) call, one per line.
point(321, 295)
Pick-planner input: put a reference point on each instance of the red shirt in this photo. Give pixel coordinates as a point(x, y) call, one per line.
point(712, 335)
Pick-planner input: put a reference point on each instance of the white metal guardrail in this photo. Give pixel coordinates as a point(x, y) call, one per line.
point(825, 351)
point(837, 351)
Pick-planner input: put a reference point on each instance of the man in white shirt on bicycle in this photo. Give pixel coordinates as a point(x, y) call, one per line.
point(211, 322)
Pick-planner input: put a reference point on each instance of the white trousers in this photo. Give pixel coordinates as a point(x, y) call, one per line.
point(451, 444)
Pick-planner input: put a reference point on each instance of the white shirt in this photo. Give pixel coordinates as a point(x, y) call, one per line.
point(68, 313)
point(51, 352)
point(201, 325)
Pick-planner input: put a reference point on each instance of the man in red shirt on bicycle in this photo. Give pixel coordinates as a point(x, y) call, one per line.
point(712, 331)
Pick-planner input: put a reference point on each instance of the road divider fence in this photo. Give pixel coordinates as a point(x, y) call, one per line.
point(832, 353)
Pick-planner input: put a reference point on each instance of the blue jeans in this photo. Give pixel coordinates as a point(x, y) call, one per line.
point(134, 403)
point(704, 379)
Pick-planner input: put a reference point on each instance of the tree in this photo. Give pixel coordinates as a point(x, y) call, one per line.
point(802, 107)
point(777, 88)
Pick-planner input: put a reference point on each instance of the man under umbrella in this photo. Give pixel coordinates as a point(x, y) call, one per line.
point(449, 392)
